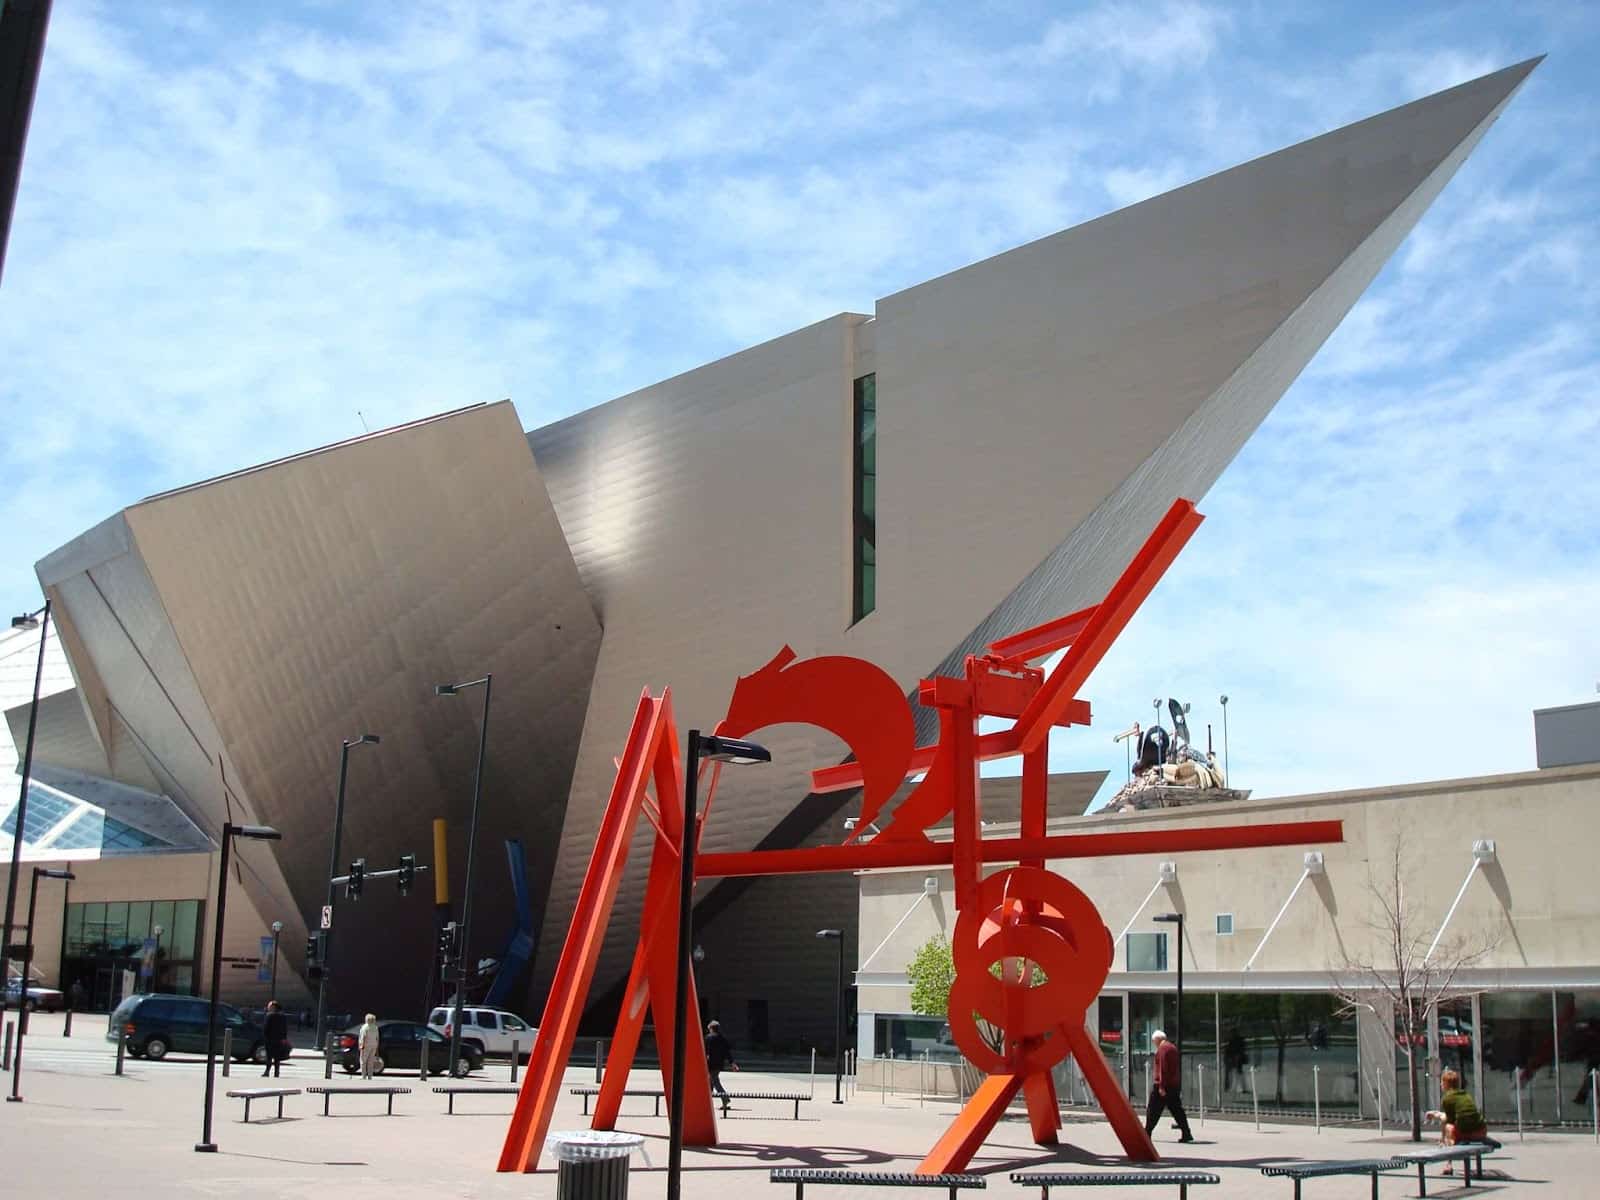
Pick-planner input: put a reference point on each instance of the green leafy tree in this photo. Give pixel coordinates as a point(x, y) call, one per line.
point(932, 972)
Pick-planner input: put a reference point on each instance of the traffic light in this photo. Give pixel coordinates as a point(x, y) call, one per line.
point(447, 948)
point(316, 955)
point(357, 880)
point(408, 873)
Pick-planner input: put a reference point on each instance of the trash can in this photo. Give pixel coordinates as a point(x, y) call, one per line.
point(592, 1164)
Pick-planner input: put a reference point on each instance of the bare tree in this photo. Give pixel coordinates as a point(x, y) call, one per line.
point(1402, 968)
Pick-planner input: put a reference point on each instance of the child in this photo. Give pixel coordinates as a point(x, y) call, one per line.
point(1462, 1122)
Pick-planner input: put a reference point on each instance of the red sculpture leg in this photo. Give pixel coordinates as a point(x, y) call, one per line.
point(1113, 1102)
point(536, 1104)
point(1044, 1110)
point(972, 1124)
point(624, 1043)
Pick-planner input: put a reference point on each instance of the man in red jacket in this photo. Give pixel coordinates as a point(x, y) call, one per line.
point(1165, 1092)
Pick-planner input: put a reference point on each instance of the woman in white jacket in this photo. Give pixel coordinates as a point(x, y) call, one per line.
point(367, 1045)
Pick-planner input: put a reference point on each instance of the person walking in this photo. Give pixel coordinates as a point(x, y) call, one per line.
point(1165, 1092)
point(367, 1046)
point(1235, 1058)
point(719, 1056)
point(275, 1032)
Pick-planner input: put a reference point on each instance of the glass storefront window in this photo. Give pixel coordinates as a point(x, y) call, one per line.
point(185, 929)
point(94, 927)
point(105, 939)
point(1299, 1045)
point(912, 1037)
point(161, 914)
point(1518, 1055)
point(138, 922)
point(1578, 1045)
point(1146, 951)
point(1457, 1044)
point(116, 935)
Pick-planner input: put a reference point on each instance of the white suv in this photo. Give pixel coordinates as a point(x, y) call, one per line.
point(493, 1029)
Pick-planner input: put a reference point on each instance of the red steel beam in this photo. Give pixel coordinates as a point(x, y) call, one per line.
point(878, 853)
point(1110, 617)
point(1003, 744)
point(1044, 639)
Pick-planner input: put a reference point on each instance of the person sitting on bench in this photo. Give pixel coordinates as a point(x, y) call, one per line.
point(1458, 1112)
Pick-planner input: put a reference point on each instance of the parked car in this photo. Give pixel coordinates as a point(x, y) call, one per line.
point(39, 996)
point(491, 1030)
point(157, 1024)
point(400, 1046)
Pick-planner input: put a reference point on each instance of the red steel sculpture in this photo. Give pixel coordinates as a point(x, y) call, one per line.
point(1010, 923)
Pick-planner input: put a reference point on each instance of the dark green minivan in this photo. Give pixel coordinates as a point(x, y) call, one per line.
point(158, 1024)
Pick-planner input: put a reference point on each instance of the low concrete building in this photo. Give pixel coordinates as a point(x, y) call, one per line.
point(1501, 863)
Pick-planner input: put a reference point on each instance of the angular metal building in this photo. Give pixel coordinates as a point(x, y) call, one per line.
point(851, 488)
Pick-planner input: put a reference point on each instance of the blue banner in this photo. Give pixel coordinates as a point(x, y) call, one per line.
point(264, 966)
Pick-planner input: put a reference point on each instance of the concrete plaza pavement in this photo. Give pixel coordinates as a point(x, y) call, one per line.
point(83, 1131)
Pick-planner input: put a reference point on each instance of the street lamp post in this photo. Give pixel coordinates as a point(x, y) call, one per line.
point(455, 689)
point(838, 1016)
point(155, 961)
point(1225, 775)
point(1176, 918)
point(712, 749)
point(35, 620)
point(257, 833)
point(366, 739)
point(22, 996)
point(277, 930)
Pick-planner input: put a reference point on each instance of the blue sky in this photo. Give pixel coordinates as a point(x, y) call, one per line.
point(240, 225)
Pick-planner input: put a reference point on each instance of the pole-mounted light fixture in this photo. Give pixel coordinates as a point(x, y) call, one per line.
point(230, 831)
point(1176, 918)
point(713, 749)
point(345, 746)
point(455, 689)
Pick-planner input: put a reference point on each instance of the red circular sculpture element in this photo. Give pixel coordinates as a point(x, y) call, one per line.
point(1025, 916)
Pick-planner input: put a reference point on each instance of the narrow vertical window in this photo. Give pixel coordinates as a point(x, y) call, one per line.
point(865, 588)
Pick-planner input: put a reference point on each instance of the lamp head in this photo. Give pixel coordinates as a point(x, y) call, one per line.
point(1168, 918)
point(1224, 699)
point(25, 621)
point(732, 750)
point(699, 953)
point(277, 927)
point(444, 689)
point(829, 933)
point(256, 833)
point(53, 873)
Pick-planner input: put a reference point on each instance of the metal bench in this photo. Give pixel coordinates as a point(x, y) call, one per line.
point(452, 1092)
point(329, 1092)
point(588, 1090)
point(1363, 1166)
point(249, 1094)
point(1045, 1180)
point(1465, 1153)
point(787, 1097)
point(800, 1176)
